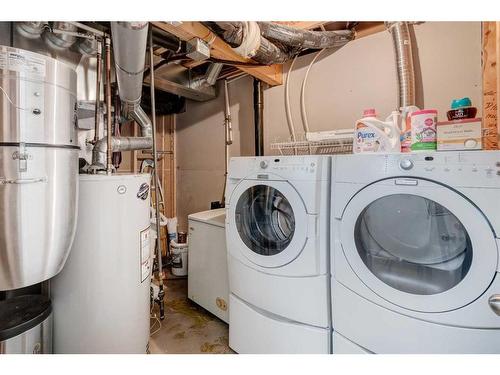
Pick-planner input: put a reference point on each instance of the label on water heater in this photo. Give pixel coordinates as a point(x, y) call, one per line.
point(145, 254)
point(22, 62)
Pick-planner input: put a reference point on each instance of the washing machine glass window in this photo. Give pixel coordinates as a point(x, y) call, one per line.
point(265, 220)
point(413, 244)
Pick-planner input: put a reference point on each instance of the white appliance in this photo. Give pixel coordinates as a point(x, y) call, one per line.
point(415, 252)
point(277, 223)
point(101, 297)
point(208, 283)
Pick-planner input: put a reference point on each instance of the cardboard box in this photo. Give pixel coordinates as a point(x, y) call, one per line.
point(459, 135)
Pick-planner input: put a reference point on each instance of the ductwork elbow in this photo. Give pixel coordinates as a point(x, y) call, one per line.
point(129, 49)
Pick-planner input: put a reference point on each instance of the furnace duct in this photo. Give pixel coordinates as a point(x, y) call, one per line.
point(129, 49)
point(270, 43)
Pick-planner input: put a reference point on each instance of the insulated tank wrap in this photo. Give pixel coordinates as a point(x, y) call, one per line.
point(38, 166)
point(101, 297)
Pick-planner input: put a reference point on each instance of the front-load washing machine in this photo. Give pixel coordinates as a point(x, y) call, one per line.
point(277, 225)
point(415, 242)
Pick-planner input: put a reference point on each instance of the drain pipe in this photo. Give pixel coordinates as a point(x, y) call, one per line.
point(258, 116)
point(97, 90)
point(129, 48)
point(400, 32)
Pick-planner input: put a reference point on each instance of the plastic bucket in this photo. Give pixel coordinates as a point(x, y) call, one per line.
point(179, 253)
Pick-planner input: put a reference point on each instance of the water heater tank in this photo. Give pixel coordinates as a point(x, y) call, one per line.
point(38, 166)
point(101, 297)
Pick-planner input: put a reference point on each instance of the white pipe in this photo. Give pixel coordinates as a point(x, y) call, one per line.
point(289, 119)
point(303, 111)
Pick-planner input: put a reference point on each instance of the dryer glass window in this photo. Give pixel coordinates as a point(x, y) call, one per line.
point(265, 220)
point(413, 244)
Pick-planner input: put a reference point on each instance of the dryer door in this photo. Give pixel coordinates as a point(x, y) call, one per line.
point(268, 222)
point(418, 244)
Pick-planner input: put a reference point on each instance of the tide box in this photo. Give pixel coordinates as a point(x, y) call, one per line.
point(458, 135)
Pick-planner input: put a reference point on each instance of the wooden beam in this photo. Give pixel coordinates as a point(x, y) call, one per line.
point(368, 28)
point(490, 52)
point(271, 75)
point(305, 25)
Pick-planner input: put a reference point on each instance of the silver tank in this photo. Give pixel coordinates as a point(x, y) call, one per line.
point(38, 166)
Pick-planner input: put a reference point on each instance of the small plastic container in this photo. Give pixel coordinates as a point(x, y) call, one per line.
point(461, 109)
point(423, 130)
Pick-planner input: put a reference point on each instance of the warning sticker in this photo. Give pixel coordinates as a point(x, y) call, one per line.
point(22, 62)
point(145, 254)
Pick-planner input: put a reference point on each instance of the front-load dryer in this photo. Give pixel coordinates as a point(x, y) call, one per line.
point(415, 242)
point(277, 225)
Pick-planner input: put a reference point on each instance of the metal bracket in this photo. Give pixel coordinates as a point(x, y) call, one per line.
point(23, 156)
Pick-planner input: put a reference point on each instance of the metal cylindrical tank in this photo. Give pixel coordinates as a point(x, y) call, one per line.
point(38, 166)
point(26, 325)
point(101, 297)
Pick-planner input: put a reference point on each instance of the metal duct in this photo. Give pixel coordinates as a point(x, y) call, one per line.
point(129, 49)
point(400, 32)
point(267, 53)
point(210, 76)
point(279, 43)
point(293, 37)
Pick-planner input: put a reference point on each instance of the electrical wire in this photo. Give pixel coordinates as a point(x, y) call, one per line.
point(289, 119)
point(157, 320)
point(11, 102)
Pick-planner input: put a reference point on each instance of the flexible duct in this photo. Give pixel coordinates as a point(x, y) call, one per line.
point(129, 48)
point(278, 43)
point(267, 53)
point(404, 62)
point(305, 39)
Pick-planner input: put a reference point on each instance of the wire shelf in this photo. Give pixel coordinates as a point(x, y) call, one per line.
point(340, 144)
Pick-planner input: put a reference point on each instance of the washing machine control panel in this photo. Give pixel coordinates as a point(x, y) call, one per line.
point(300, 167)
point(457, 166)
point(406, 164)
point(466, 168)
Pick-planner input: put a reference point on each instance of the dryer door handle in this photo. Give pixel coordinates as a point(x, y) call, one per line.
point(494, 302)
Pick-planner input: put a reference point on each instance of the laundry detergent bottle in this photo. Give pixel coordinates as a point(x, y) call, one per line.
point(373, 135)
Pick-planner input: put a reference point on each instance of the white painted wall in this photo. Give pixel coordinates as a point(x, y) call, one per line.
point(363, 75)
point(360, 75)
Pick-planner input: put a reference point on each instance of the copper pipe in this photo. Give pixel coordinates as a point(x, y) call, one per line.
point(109, 166)
point(98, 90)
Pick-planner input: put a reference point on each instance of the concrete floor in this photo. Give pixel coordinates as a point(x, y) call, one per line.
point(187, 327)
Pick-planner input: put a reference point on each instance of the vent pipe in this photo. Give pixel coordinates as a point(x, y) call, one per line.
point(129, 49)
point(400, 32)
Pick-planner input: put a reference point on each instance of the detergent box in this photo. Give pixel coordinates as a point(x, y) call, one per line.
point(459, 135)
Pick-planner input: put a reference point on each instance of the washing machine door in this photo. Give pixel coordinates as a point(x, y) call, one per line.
point(418, 244)
point(268, 222)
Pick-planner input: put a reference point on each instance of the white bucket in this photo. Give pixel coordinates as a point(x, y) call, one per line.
point(179, 258)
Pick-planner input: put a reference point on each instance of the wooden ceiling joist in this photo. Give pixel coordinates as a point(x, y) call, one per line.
point(272, 75)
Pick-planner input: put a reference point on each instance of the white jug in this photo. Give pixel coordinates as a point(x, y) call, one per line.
point(374, 135)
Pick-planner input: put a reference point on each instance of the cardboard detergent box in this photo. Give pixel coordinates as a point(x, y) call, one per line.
point(459, 135)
